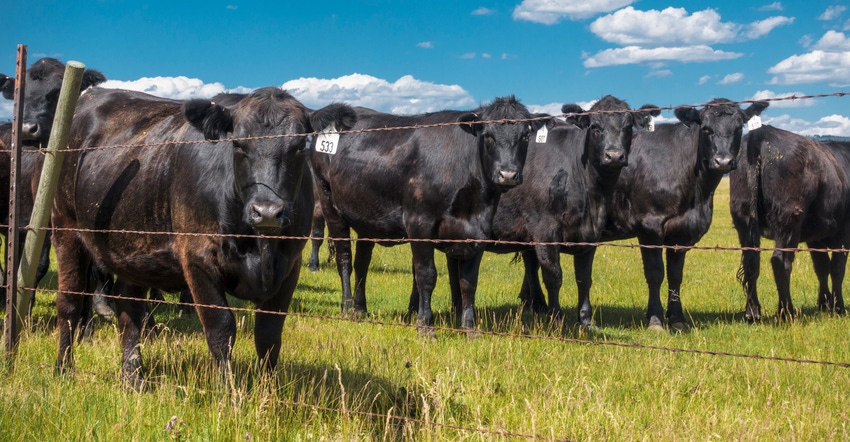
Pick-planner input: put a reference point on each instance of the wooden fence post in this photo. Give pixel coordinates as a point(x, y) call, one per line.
point(11, 328)
point(43, 202)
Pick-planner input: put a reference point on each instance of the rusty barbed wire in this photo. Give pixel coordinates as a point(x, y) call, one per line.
point(436, 328)
point(454, 123)
point(497, 242)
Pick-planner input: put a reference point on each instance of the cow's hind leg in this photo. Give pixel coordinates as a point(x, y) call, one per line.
point(782, 262)
point(837, 269)
point(821, 264)
point(583, 266)
point(362, 259)
point(131, 311)
point(531, 293)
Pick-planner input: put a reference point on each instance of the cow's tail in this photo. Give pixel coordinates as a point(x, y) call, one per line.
point(750, 235)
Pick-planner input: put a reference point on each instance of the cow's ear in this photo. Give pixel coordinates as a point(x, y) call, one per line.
point(541, 120)
point(91, 78)
point(341, 115)
point(7, 87)
point(472, 123)
point(755, 109)
point(214, 120)
point(687, 115)
point(575, 115)
point(644, 115)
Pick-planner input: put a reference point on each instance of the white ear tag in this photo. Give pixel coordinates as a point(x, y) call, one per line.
point(754, 123)
point(542, 133)
point(327, 140)
point(651, 126)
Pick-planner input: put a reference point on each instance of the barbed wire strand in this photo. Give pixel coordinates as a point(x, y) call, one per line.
point(453, 123)
point(476, 332)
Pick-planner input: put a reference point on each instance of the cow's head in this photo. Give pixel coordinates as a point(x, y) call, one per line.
point(41, 96)
point(609, 124)
point(720, 125)
point(268, 132)
point(502, 141)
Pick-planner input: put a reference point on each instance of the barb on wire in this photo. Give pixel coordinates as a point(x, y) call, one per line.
point(436, 125)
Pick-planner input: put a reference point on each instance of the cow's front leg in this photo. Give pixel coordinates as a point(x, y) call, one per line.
point(426, 280)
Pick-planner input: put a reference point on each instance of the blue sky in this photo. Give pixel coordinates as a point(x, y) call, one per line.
point(411, 57)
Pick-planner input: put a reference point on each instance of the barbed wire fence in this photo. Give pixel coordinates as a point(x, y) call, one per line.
point(496, 334)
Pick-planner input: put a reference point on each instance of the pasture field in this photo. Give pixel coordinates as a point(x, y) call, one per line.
point(535, 379)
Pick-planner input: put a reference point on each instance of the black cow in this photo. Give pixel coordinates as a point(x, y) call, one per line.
point(665, 196)
point(435, 183)
point(41, 96)
point(792, 189)
point(569, 181)
point(252, 185)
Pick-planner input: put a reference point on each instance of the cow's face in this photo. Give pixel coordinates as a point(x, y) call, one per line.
point(41, 96)
point(720, 125)
point(609, 124)
point(503, 144)
point(268, 134)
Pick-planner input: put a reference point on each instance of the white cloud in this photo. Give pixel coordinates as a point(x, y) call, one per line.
point(732, 78)
point(468, 56)
point(832, 12)
point(836, 125)
point(833, 41)
point(425, 44)
point(232, 7)
point(483, 11)
point(635, 54)
point(775, 6)
point(178, 88)
point(549, 12)
point(818, 66)
point(763, 27)
point(704, 79)
point(406, 95)
point(790, 103)
point(654, 28)
point(486, 55)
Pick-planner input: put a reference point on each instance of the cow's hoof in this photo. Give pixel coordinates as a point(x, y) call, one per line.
point(655, 324)
point(680, 326)
point(427, 333)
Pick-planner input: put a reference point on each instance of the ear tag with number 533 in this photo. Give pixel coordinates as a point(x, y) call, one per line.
point(542, 133)
point(327, 140)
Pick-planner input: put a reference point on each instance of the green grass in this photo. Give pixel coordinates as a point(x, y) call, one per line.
point(340, 380)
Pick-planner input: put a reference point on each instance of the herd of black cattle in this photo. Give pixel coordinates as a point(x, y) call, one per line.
point(245, 175)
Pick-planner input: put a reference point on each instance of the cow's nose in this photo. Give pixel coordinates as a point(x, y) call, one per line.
point(615, 157)
point(508, 177)
point(30, 131)
point(266, 215)
point(722, 162)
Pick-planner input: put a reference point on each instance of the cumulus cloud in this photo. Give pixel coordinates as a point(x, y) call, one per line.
point(828, 62)
point(833, 41)
point(788, 103)
point(674, 26)
point(7, 108)
point(835, 125)
point(483, 11)
point(832, 12)
point(406, 95)
point(704, 79)
point(732, 78)
point(636, 54)
point(425, 44)
point(549, 12)
point(177, 88)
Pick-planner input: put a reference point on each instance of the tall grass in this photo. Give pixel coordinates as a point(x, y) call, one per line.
point(340, 380)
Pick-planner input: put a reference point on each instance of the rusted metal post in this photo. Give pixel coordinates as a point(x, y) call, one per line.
point(12, 324)
point(43, 202)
